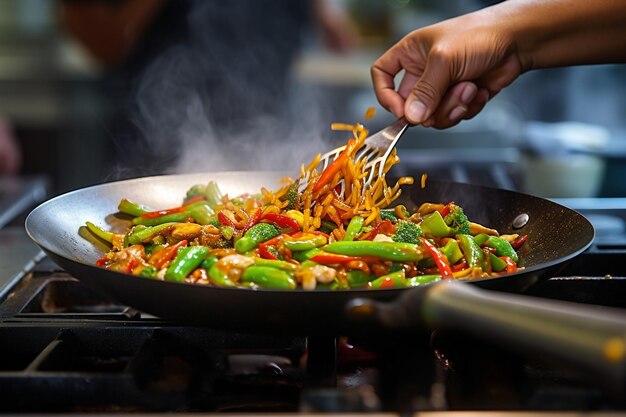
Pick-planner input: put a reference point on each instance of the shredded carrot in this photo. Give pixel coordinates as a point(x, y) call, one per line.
point(423, 180)
point(370, 112)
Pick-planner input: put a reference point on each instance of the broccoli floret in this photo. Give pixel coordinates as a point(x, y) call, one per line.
point(292, 196)
point(388, 214)
point(457, 220)
point(407, 231)
point(327, 226)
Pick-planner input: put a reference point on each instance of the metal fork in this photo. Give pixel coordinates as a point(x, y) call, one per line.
point(376, 149)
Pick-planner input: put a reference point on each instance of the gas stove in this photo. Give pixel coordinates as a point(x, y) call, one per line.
point(65, 348)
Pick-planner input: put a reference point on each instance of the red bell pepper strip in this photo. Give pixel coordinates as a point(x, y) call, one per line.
point(159, 213)
point(282, 221)
point(439, 258)
point(511, 266)
point(385, 227)
point(459, 266)
point(104, 261)
point(131, 265)
point(254, 219)
point(194, 200)
point(224, 220)
point(264, 251)
point(161, 257)
point(446, 210)
point(334, 167)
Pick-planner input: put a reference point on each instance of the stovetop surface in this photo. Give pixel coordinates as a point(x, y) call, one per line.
point(65, 348)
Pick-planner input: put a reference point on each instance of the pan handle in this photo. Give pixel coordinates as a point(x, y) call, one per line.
point(585, 335)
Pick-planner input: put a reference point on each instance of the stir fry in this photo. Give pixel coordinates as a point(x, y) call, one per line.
point(323, 230)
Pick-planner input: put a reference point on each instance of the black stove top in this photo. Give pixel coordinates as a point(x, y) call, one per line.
point(66, 348)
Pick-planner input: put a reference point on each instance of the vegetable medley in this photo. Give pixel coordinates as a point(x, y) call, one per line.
point(322, 230)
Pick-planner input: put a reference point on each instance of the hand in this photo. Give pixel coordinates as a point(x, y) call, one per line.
point(451, 70)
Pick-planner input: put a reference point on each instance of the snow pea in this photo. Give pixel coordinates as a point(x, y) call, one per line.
point(358, 278)
point(354, 227)
point(219, 277)
point(472, 252)
point(268, 277)
point(305, 242)
point(186, 260)
point(141, 234)
point(393, 251)
point(258, 233)
point(392, 280)
point(422, 280)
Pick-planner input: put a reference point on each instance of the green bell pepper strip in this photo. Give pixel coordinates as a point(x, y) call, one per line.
point(471, 251)
point(144, 234)
point(100, 232)
point(258, 233)
point(177, 214)
point(497, 264)
point(418, 280)
point(435, 225)
point(354, 227)
point(133, 209)
point(392, 251)
point(268, 277)
point(186, 261)
point(306, 242)
point(481, 238)
point(452, 251)
point(282, 265)
point(219, 277)
point(502, 247)
point(213, 194)
point(393, 280)
point(358, 278)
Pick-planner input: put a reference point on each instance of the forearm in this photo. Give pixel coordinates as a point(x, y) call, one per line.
point(551, 33)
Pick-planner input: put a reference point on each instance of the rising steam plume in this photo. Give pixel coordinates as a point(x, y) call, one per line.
point(224, 99)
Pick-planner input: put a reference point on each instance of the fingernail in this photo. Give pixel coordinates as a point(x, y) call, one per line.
point(416, 112)
point(428, 123)
point(468, 94)
point(457, 112)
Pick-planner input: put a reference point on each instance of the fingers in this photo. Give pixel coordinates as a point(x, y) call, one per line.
point(383, 72)
point(429, 90)
point(463, 101)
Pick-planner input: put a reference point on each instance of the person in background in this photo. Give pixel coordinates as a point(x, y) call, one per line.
point(454, 67)
point(10, 154)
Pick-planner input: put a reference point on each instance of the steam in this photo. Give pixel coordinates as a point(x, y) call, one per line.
point(223, 100)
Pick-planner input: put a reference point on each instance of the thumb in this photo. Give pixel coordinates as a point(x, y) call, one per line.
point(427, 92)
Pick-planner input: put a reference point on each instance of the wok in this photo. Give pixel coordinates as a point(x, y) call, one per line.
point(555, 235)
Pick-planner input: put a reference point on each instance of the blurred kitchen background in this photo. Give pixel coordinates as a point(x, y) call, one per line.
point(555, 133)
